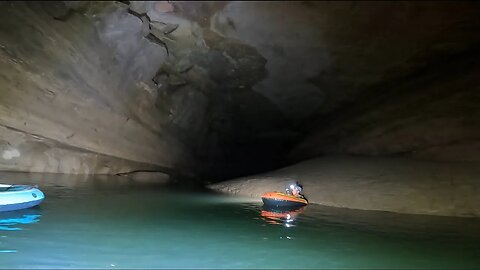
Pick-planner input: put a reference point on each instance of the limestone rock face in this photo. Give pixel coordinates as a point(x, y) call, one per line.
point(32, 153)
point(374, 79)
point(83, 88)
point(434, 116)
point(322, 54)
point(219, 89)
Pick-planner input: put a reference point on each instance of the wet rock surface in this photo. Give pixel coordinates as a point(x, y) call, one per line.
point(398, 185)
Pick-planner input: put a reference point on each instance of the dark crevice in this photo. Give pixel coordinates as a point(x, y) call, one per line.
point(156, 40)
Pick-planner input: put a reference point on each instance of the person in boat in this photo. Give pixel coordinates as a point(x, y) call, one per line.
point(295, 190)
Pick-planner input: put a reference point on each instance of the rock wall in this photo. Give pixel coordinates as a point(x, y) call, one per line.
point(346, 75)
point(220, 89)
point(232, 128)
point(392, 79)
point(433, 115)
point(322, 55)
point(76, 91)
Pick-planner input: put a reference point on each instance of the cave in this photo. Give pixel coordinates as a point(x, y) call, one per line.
point(372, 106)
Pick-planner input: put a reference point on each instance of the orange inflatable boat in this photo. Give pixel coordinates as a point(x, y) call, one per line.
point(279, 199)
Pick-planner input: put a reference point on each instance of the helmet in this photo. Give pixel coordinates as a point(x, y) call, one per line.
point(296, 186)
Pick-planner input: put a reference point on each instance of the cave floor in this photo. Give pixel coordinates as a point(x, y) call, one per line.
point(113, 222)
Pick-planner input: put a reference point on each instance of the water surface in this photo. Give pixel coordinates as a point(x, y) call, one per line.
point(112, 222)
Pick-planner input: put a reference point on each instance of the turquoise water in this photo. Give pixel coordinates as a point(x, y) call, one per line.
point(116, 223)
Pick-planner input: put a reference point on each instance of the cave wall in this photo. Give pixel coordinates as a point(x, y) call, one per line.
point(349, 77)
point(433, 115)
point(80, 81)
point(373, 79)
point(321, 55)
point(221, 89)
point(139, 86)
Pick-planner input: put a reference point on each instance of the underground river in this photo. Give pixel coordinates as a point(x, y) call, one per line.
point(114, 222)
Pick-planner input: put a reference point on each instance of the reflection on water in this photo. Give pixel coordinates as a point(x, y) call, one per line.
point(279, 216)
point(11, 221)
point(112, 222)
